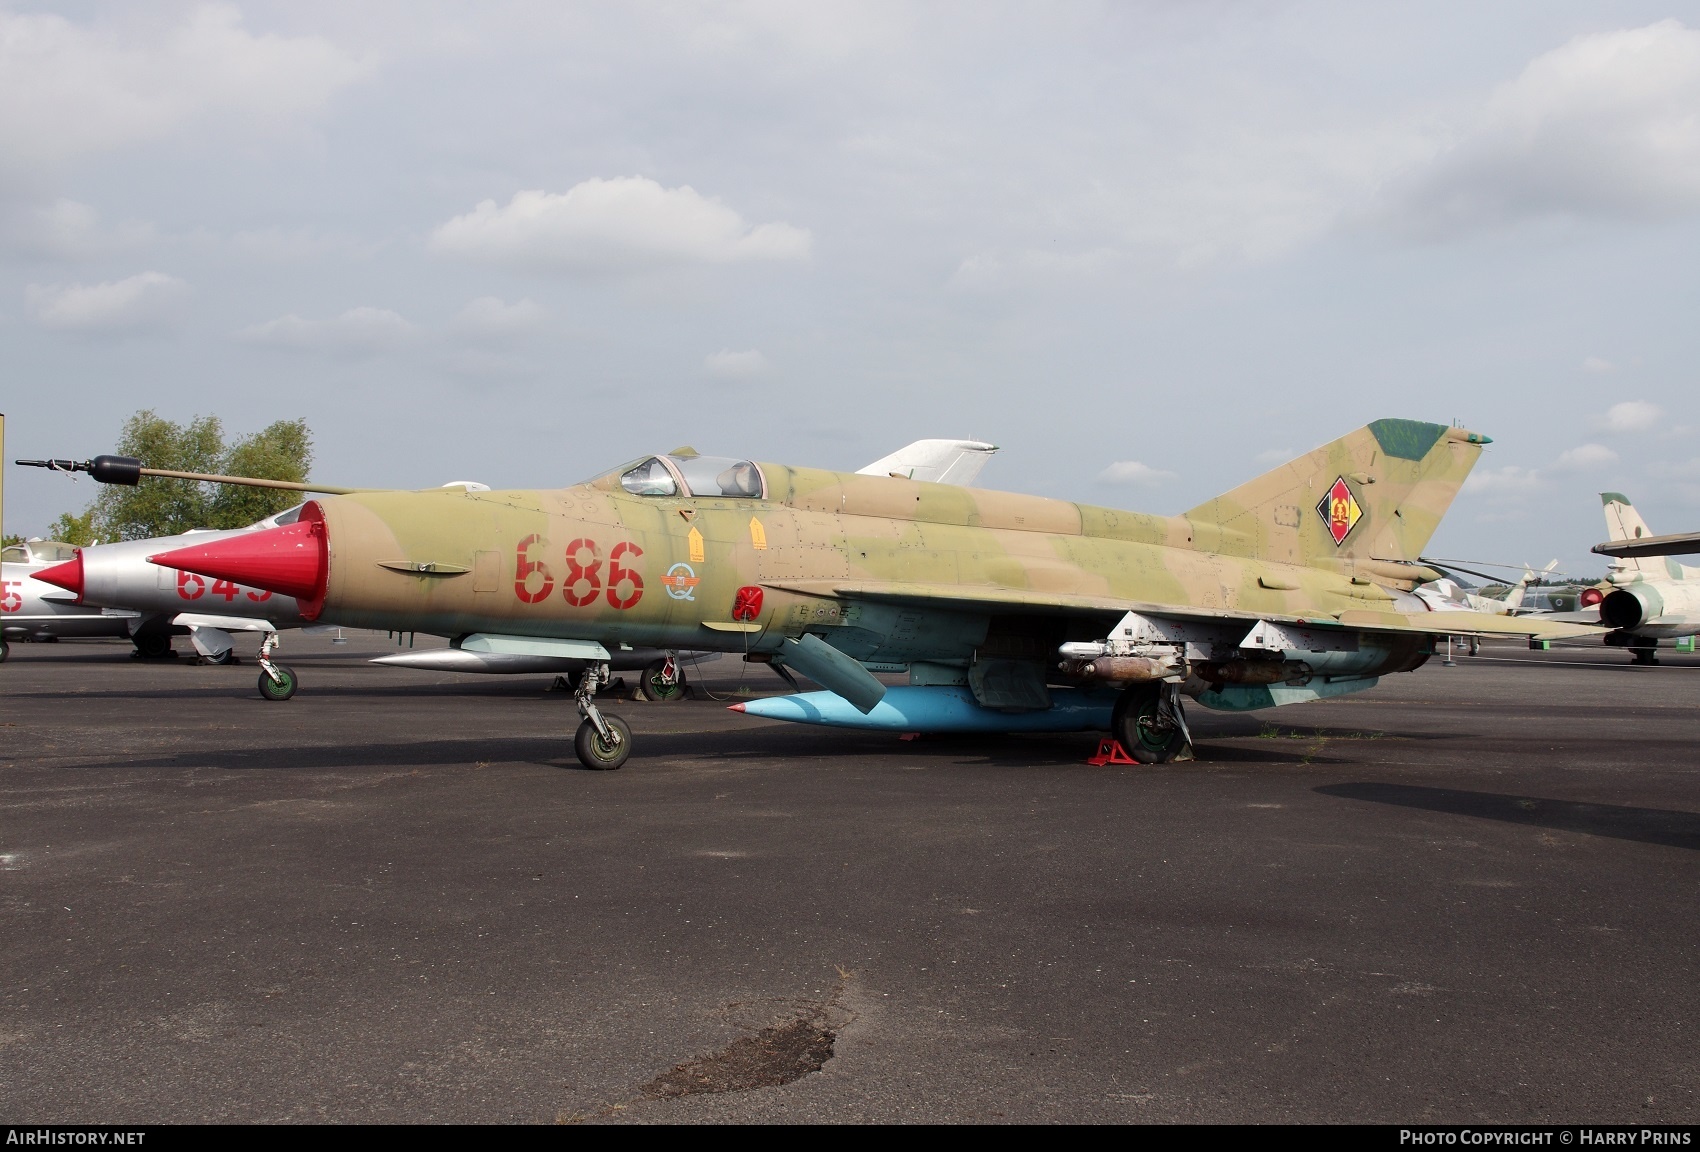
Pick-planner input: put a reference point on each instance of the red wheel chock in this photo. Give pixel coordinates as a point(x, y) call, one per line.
point(1110, 752)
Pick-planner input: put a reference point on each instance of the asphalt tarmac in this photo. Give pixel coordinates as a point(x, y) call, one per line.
point(1466, 896)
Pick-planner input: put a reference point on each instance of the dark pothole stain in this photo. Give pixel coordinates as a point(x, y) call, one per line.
point(784, 1040)
point(773, 1056)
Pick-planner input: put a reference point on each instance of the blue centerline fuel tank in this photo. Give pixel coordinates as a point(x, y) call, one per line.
point(939, 709)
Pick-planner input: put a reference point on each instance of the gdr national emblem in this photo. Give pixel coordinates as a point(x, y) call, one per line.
point(1339, 510)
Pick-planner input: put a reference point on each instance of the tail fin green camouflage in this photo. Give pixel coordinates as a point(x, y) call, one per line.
point(1375, 493)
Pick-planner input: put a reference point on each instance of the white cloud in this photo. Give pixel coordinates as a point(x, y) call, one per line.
point(146, 300)
point(1598, 366)
point(68, 229)
point(1584, 457)
point(359, 331)
point(623, 224)
point(1633, 416)
point(728, 365)
point(1604, 125)
point(1510, 482)
point(1133, 472)
point(489, 318)
point(69, 89)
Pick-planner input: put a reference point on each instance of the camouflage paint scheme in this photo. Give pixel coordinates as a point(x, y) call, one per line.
point(895, 571)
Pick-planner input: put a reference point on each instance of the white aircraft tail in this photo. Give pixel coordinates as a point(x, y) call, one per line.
point(938, 461)
point(1624, 523)
point(1514, 598)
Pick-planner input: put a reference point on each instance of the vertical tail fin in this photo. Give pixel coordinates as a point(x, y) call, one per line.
point(1624, 523)
point(1375, 493)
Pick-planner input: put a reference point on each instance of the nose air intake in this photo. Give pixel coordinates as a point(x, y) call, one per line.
point(292, 560)
point(68, 575)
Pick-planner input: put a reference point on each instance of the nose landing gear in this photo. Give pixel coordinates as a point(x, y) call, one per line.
point(277, 681)
point(602, 743)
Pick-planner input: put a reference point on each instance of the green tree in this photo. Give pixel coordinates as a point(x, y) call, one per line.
point(69, 529)
point(281, 451)
point(160, 507)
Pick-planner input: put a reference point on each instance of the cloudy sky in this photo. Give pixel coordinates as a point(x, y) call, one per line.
point(1149, 249)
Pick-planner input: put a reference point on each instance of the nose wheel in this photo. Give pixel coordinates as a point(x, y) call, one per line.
point(277, 681)
point(603, 742)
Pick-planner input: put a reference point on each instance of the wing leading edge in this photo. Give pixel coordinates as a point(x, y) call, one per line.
point(1003, 601)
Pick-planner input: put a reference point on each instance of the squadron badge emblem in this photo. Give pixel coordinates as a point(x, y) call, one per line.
point(681, 582)
point(1339, 510)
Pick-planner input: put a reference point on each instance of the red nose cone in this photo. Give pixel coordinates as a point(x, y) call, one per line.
point(68, 575)
point(291, 560)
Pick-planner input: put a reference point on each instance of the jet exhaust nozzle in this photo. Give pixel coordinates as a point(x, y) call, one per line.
point(68, 575)
point(1622, 608)
point(292, 560)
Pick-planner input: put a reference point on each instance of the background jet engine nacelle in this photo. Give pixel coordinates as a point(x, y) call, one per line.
point(1668, 608)
point(1631, 607)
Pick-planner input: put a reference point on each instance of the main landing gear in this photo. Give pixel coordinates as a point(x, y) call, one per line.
point(1149, 723)
point(277, 681)
point(153, 645)
point(603, 743)
point(663, 682)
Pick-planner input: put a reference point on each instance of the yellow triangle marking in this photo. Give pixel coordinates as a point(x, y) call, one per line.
point(758, 534)
point(696, 546)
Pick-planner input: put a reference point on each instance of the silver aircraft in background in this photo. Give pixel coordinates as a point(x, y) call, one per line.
point(33, 610)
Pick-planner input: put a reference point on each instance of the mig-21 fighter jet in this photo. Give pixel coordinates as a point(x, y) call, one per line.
point(1010, 612)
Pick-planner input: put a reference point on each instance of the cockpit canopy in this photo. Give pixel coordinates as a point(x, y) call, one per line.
point(693, 475)
point(39, 551)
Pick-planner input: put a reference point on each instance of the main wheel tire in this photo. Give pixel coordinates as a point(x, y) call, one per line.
point(597, 755)
point(279, 690)
point(153, 645)
point(5, 651)
point(1145, 732)
point(655, 688)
